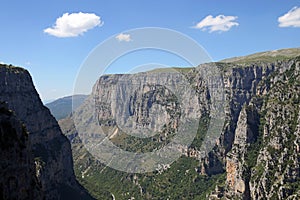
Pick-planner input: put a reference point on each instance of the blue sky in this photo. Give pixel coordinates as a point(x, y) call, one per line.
point(54, 58)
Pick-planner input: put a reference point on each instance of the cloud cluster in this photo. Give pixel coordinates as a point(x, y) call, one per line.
point(219, 23)
point(74, 24)
point(290, 19)
point(123, 37)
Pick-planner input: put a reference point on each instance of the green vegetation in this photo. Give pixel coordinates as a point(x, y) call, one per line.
point(266, 57)
point(180, 181)
point(201, 132)
point(172, 69)
point(140, 145)
point(254, 149)
point(279, 117)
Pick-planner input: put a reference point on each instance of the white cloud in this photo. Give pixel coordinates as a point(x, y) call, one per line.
point(123, 37)
point(74, 24)
point(219, 23)
point(292, 18)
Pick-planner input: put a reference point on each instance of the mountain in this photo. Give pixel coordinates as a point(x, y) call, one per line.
point(255, 156)
point(48, 101)
point(62, 107)
point(51, 149)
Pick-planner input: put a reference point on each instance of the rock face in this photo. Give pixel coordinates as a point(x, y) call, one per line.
point(246, 133)
point(276, 173)
point(152, 99)
point(258, 148)
point(263, 162)
point(142, 106)
point(51, 149)
point(17, 176)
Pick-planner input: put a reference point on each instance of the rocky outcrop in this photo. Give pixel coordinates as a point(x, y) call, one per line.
point(237, 172)
point(240, 85)
point(276, 173)
point(18, 174)
point(51, 148)
point(153, 99)
point(263, 162)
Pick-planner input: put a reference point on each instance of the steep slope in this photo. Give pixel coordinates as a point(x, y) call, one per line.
point(50, 148)
point(62, 107)
point(280, 121)
point(18, 173)
point(263, 162)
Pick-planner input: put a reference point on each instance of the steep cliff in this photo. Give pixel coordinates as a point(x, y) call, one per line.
point(261, 123)
point(263, 162)
point(152, 105)
point(275, 174)
point(51, 149)
point(18, 173)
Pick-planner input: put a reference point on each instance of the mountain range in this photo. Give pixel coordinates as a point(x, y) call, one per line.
point(255, 154)
point(62, 107)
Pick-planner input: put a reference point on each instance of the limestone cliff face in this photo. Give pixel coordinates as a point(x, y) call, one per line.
point(152, 100)
point(255, 93)
point(51, 149)
point(140, 106)
point(276, 173)
point(258, 148)
point(17, 176)
point(263, 162)
point(246, 134)
point(240, 85)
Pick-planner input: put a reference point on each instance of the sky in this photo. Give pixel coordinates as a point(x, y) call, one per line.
point(52, 39)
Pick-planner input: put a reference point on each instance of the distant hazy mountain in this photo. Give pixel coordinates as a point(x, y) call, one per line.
point(48, 101)
point(62, 107)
